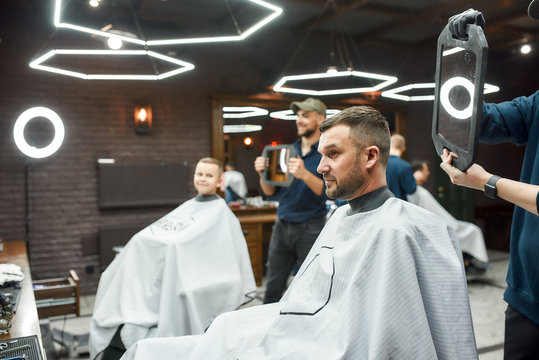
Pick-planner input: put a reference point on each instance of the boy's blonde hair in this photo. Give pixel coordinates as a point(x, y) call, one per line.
point(210, 160)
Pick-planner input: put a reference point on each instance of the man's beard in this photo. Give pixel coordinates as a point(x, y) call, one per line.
point(307, 133)
point(346, 187)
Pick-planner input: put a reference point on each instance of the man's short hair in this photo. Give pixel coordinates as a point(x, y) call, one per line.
point(418, 164)
point(367, 126)
point(210, 160)
point(398, 141)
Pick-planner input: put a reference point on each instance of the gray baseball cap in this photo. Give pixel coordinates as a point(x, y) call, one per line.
point(533, 9)
point(309, 104)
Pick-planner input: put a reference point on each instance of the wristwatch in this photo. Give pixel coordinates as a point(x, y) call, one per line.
point(490, 187)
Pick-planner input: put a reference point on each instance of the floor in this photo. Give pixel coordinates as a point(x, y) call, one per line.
point(486, 299)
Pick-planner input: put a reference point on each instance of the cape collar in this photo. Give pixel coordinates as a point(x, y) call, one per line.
point(369, 201)
point(209, 197)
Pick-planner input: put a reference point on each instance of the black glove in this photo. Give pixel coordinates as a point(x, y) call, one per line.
point(457, 23)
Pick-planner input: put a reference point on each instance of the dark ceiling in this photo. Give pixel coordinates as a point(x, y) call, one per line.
point(392, 37)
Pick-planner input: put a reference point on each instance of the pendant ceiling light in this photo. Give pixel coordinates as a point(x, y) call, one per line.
point(39, 64)
point(333, 81)
point(274, 12)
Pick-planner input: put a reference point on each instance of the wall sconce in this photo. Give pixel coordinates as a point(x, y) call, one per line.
point(248, 141)
point(143, 119)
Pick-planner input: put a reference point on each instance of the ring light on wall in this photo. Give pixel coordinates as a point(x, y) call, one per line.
point(25, 118)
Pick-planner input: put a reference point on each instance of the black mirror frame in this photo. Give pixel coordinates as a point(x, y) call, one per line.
point(292, 152)
point(476, 43)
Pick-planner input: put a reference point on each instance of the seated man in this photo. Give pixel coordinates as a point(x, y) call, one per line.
point(234, 185)
point(384, 279)
point(176, 275)
point(470, 235)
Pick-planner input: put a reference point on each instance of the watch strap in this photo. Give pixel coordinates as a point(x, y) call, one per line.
point(490, 187)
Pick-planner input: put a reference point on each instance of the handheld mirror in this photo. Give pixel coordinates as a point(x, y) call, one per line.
point(276, 172)
point(458, 94)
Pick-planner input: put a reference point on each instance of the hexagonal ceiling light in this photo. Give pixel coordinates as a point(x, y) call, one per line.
point(38, 64)
point(275, 12)
point(385, 81)
point(396, 93)
point(241, 112)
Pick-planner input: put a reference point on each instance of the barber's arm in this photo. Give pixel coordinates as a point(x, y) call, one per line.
point(297, 168)
point(261, 164)
point(519, 193)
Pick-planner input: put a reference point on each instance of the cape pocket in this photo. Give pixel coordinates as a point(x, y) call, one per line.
point(311, 289)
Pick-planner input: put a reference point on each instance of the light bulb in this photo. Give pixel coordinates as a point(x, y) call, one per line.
point(525, 49)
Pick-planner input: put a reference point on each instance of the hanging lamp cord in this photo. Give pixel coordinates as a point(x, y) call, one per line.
point(302, 42)
point(142, 37)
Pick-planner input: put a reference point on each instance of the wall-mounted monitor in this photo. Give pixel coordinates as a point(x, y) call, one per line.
point(460, 80)
point(276, 172)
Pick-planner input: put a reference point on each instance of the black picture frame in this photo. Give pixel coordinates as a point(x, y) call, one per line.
point(459, 64)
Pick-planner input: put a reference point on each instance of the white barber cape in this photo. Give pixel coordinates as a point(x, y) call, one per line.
point(387, 283)
point(174, 277)
point(470, 235)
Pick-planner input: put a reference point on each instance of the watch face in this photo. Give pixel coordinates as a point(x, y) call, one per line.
point(490, 191)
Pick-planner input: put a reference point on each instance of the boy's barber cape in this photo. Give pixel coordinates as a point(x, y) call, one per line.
point(174, 277)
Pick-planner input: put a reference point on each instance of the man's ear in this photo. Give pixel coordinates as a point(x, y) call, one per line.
point(321, 119)
point(373, 156)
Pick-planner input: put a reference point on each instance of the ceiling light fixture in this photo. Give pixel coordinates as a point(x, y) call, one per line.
point(38, 64)
point(386, 81)
point(276, 11)
point(525, 49)
point(289, 114)
point(241, 112)
point(115, 43)
point(396, 93)
point(338, 82)
point(243, 128)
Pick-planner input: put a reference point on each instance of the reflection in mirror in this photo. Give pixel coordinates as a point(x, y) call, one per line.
point(455, 107)
point(276, 172)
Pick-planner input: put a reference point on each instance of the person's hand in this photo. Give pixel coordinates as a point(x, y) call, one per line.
point(475, 177)
point(260, 164)
point(297, 168)
point(458, 23)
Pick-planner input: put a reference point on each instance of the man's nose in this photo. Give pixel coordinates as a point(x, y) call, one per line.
point(322, 167)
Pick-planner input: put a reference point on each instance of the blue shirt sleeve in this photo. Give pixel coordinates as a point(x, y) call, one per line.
point(509, 121)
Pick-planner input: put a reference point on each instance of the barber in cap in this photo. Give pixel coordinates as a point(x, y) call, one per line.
point(302, 210)
point(515, 121)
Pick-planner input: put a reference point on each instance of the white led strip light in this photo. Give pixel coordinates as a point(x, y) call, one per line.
point(396, 92)
point(242, 112)
point(276, 11)
point(386, 81)
point(38, 64)
point(243, 128)
point(289, 114)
